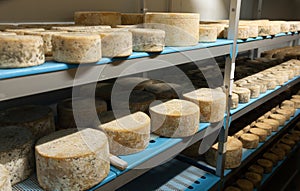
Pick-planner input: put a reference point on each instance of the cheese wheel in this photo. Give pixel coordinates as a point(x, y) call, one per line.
point(18, 51)
point(272, 122)
point(97, 18)
point(243, 93)
point(243, 32)
point(270, 82)
point(294, 26)
point(272, 157)
point(5, 184)
point(280, 80)
point(148, 40)
point(254, 89)
point(116, 43)
point(234, 101)
point(296, 96)
point(77, 28)
point(208, 33)
point(164, 90)
point(296, 103)
point(288, 103)
point(289, 142)
point(275, 28)
point(262, 84)
point(279, 118)
point(182, 29)
point(261, 118)
point(293, 137)
point(238, 134)
point(286, 113)
point(233, 155)
point(175, 118)
point(287, 149)
point(129, 134)
point(38, 119)
point(264, 30)
point(256, 169)
point(267, 115)
point(290, 110)
point(254, 178)
point(247, 129)
point(24, 30)
point(127, 26)
point(245, 185)
point(278, 152)
point(7, 33)
point(289, 72)
point(76, 48)
point(232, 188)
point(220, 29)
point(253, 124)
point(284, 26)
point(261, 133)
point(84, 110)
point(212, 103)
point(268, 128)
point(266, 164)
point(64, 158)
point(16, 152)
point(132, 18)
point(253, 30)
point(250, 141)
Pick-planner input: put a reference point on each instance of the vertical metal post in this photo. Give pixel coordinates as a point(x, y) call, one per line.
point(254, 53)
point(169, 5)
point(259, 9)
point(144, 6)
point(234, 16)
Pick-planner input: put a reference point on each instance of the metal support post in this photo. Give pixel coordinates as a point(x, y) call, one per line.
point(254, 53)
point(144, 8)
point(259, 9)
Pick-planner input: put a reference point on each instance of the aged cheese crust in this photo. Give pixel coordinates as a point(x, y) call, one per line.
point(71, 160)
point(250, 141)
point(286, 113)
point(132, 18)
point(208, 33)
point(261, 133)
point(76, 48)
point(256, 169)
point(254, 178)
point(272, 122)
point(175, 118)
point(16, 152)
point(38, 119)
point(245, 184)
point(23, 31)
point(18, 51)
point(266, 164)
point(5, 184)
point(148, 40)
point(280, 118)
point(296, 103)
point(255, 90)
point(272, 157)
point(244, 94)
point(128, 134)
point(264, 126)
point(97, 18)
point(235, 101)
point(212, 103)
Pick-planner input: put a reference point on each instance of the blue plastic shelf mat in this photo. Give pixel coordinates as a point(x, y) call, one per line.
point(267, 37)
point(174, 175)
point(51, 66)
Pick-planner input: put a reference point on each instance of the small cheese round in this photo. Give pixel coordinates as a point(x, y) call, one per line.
point(207, 33)
point(71, 160)
point(234, 101)
point(256, 169)
point(38, 119)
point(261, 84)
point(129, 134)
point(291, 73)
point(253, 30)
point(243, 32)
point(18, 51)
point(255, 90)
point(289, 142)
point(175, 118)
point(247, 129)
point(148, 40)
point(260, 118)
point(97, 18)
point(293, 137)
point(275, 28)
point(287, 149)
point(272, 157)
point(270, 82)
point(267, 115)
point(132, 18)
point(232, 188)
point(244, 94)
point(16, 152)
point(263, 30)
point(238, 134)
point(284, 26)
point(296, 102)
point(288, 103)
point(76, 48)
point(24, 30)
point(7, 33)
point(296, 96)
point(261, 133)
point(278, 152)
point(285, 113)
point(250, 141)
point(254, 178)
point(245, 185)
point(279, 118)
point(272, 122)
point(5, 184)
point(212, 103)
point(268, 128)
point(266, 164)
point(294, 26)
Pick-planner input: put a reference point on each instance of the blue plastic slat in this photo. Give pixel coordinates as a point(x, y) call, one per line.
point(267, 37)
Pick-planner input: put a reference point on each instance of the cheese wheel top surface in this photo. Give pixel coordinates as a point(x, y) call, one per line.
point(18, 38)
point(249, 136)
point(232, 144)
point(70, 143)
point(143, 31)
point(81, 103)
point(258, 131)
point(160, 15)
point(74, 36)
point(206, 94)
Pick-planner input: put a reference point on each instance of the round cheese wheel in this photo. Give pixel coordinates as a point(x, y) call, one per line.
point(76, 48)
point(272, 157)
point(293, 137)
point(16, 152)
point(148, 40)
point(272, 122)
point(5, 184)
point(254, 178)
point(263, 30)
point(244, 94)
point(232, 188)
point(268, 128)
point(38, 119)
point(266, 164)
point(234, 101)
point(296, 102)
point(7, 33)
point(245, 185)
point(182, 29)
point(278, 152)
point(233, 155)
point(212, 103)
point(270, 82)
point(295, 97)
point(267, 115)
point(247, 129)
point(24, 30)
point(288, 103)
point(290, 110)
point(291, 73)
point(97, 18)
point(64, 158)
point(260, 118)
point(287, 149)
point(250, 141)
point(132, 18)
point(175, 118)
point(208, 33)
point(253, 30)
point(286, 113)
point(18, 51)
point(243, 32)
point(129, 134)
point(77, 28)
point(256, 169)
point(260, 83)
point(164, 90)
point(275, 28)
point(289, 142)
point(284, 26)
point(279, 118)
point(261, 133)
point(294, 26)
point(255, 90)
point(280, 80)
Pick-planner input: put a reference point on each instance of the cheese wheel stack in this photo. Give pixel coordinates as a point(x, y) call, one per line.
point(212, 103)
point(18, 51)
point(64, 158)
point(208, 33)
point(182, 29)
point(38, 119)
point(129, 134)
point(243, 93)
point(16, 152)
point(76, 48)
point(175, 118)
point(249, 141)
point(272, 122)
point(5, 184)
point(132, 18)
point(97, 18)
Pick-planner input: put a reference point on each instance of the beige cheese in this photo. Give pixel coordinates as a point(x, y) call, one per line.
point(253, 29)
point(16, 152)
point(245, 184)
point(286, 112)
point(97, 18)
point(244, 94)
point(7, 33)
point(233, 155)
point(261, 133)
point(255, 90)
point(294, 26)
point(272, 157)
point(279, 152)
point(275, 28)
point(256, 169)
point(284, 26)
point(72, 161)
point(238, 134)
point(175, 118)
point(272, 122)
point(268, 128)
point(212, 103)
point(280, 118)
point(254, 178)
point(76, 28)
point(129, 134)
point(18, 51)
point(234, 101)
point(5, 184)
point(148, 40)
point(182, 29)
point(232, 188)
point(24, 30)
point(208, 33)
point(243, 32)
point(261, 83)
point(220, 29)
point(250, 141)
point(296, 102)
point(38, 119)
point(247, 128)
point(264, 30)
point(128, 26)
point(76, 48)
point(266, 164)
point(132, 18)
point(270, 82)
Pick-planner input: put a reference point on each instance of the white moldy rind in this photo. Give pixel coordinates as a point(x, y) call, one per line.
point(212, 103)
point(97, 18)
point(182, 29)
point(76, 48)
point(5, 184)
point(16, 152)
point(175, 118)
point(129, 134)
point(18, 51)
